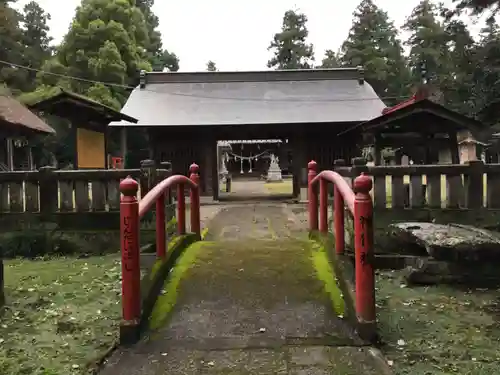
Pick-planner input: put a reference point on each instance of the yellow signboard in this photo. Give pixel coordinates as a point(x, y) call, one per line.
point(90, 148)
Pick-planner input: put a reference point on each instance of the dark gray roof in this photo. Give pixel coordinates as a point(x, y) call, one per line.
point(16, 114)
point(262, 97)
point(68, 105)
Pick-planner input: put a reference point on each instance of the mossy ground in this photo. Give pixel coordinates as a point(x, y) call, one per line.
point(439, 329)
point(282, 286)
point(278, 188)
point(326, 274)
point(221, 264)
point(166, 301)
point(61, 314)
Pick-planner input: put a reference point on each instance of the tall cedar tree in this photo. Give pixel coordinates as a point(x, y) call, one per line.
point(373, 43)
point(290, 48)
point(458, 84)
point(11, 49)
point(106, 42)
point(478, 6)
point(331, 60)
point(36, 38)
point(157, 56)
point(486, 72)
point(429, 57)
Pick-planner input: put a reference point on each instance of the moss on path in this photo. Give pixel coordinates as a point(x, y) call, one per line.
point(249, 301)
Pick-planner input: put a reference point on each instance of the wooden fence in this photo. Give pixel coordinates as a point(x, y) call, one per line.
point(472, 185)
point(76, 199)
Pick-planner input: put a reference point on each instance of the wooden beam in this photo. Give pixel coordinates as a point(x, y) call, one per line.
point(453, 144)
point(10, 154)
point(123, 145)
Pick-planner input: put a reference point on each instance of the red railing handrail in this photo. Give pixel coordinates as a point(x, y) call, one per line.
point(360, 204)
point(131, 212)
point(160, 189)
point(341, 184)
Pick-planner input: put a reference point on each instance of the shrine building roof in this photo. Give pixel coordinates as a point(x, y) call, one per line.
point(16, 117)
point(257, 97)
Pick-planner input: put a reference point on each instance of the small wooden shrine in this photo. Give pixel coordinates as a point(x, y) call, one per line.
point(89, 124)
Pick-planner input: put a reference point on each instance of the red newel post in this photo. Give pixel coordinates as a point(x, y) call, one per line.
point(363, 242)
point(195, 199)
point(323, 205)
point(129, 234)
point(312, 167)
point(338, 221)
point(181, 210)
point(161, 231)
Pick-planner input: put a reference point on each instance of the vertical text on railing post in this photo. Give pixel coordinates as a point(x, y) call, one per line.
point(129, 235)
point(363, 243)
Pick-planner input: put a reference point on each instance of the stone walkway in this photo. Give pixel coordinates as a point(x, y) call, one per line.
point(250, 304)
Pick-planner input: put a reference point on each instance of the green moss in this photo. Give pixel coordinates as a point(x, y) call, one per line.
point(326, 274)
point(155, 268)
point(269, 254)
point(157, 265)
point(166, 301)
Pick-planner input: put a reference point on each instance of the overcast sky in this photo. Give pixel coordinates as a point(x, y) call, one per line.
point(236, 33)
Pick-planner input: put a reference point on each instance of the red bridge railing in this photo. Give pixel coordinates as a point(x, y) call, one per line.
point(359, 203)
point(131, 212)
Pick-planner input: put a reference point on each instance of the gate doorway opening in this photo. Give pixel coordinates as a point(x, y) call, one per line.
point(255, 169)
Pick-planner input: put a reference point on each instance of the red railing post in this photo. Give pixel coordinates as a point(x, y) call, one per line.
point(323, 205)
point(338, 220)
point(195, 199)
point(363, 242)
point(161, 231)
point(129, 234)
point(181, 210)
point(312, 167)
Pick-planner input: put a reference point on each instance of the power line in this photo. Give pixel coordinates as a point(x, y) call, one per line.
point(66, 76)
point(128, 87)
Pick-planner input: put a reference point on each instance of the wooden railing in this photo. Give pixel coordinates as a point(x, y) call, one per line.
point(472, 185)
point(64, 195)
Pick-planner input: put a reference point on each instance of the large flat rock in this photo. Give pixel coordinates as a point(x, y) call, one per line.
point(452, 242)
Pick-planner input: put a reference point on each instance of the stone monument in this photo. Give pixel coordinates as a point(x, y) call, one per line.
point(274, 171)
point(223, 169)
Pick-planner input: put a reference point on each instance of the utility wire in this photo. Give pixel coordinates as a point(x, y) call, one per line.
point(66, 76)
point(128, 87)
